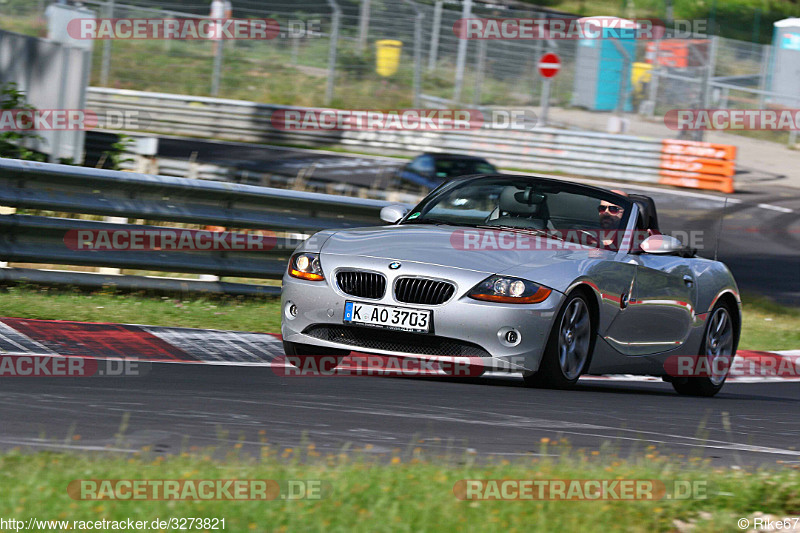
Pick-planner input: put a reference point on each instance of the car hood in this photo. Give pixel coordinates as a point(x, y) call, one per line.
point(445, 246)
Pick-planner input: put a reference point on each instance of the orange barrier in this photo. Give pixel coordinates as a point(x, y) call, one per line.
point(696, 180)
point(699, 149)
point(699, 165)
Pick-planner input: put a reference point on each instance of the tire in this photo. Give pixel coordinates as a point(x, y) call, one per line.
point(719, 339)
point(297, 353)
point(569, 347)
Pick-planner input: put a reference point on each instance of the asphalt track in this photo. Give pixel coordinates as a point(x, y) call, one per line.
point(178, 406)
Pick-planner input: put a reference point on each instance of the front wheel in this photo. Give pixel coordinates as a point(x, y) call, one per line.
point(569, 348)
point(719, 343)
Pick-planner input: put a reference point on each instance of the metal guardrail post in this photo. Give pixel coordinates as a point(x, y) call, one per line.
point(461, 59)
point(219, 45)
point(363, 25)
point(112, 270)
point(417, 50)
point(623, 80)
point(655, 77)
point(479, 68)
point(334, 40)
point(537, 54)
point(762, 77)
point(106, 62)
point(437, 22)
point(708, 75)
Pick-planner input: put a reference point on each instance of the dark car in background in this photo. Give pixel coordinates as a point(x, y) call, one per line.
point(431, 170)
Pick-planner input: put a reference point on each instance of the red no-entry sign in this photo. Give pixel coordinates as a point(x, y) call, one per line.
point(549, 65)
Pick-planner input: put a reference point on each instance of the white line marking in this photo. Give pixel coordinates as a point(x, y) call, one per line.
point(43, 444)
point(776, 208)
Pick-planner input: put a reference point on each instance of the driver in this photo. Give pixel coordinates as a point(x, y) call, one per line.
point(610, 215)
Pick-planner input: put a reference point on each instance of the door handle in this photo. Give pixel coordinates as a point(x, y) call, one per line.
point(688, 280)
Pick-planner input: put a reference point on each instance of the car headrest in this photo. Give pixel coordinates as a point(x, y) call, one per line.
point(518, 202)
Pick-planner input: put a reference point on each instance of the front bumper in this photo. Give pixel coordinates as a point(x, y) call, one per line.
point(461, 326)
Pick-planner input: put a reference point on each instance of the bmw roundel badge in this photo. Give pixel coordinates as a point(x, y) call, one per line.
point(394, 265)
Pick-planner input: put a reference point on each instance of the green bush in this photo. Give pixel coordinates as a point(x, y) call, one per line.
point(13, 98)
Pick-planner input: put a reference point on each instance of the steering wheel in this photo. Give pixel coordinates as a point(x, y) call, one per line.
point(593, 241)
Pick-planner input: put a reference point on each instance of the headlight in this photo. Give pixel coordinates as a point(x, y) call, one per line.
point(509, 290)
point(306, 266)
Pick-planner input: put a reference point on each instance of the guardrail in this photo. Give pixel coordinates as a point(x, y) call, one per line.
point(39, 239)
point(589, 154)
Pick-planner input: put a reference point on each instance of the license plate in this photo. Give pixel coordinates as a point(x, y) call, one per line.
point(388, 317)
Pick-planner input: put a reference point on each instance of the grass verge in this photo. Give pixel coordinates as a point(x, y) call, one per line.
point(766, 325)
point(405, 493)
point(208, 312)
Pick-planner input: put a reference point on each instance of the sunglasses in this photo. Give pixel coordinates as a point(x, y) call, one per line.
point(613, 209)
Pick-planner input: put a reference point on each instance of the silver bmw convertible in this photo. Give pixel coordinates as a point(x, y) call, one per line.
point(539, 276)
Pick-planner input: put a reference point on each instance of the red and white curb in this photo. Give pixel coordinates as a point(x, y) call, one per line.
point(60, 338)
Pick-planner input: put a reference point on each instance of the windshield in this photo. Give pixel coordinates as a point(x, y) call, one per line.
point(522, 203)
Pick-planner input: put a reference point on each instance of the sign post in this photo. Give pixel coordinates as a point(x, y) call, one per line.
point(549, 65)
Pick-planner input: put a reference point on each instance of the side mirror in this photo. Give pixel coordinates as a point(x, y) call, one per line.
point(393, 213)
point(661, 244)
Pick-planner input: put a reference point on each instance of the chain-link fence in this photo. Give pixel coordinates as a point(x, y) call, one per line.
point(405, 53)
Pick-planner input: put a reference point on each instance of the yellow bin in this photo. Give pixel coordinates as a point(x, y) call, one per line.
point(388, 56)
point(641, 74)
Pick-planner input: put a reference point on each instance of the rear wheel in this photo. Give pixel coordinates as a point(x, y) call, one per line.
point(569, 348)
point(719, 343)
point(298, 354)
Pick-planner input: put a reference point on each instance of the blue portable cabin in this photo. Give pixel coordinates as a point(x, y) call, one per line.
point(600, 67)
point(784, 71)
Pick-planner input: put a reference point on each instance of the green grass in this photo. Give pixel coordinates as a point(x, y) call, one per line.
point(404, 491)
point(210, 312)
point(766, 325)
